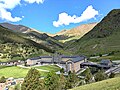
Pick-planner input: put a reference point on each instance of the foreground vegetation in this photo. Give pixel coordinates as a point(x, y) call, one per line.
point(110, 84)
point(53, 81)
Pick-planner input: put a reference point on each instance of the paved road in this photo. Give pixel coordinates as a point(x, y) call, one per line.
point(81, 71)
point(117, 70)
point(113, 69)
point(116, 61)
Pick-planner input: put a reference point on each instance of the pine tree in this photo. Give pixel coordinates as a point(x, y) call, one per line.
point(52, 81)
point(62, 82)
point(100, 75)
point(88, 76)
point(72, 81)
point(32, 81)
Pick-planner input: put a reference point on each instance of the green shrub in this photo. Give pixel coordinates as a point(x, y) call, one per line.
point(112, 75)
point(2, 79)
point(100, 75)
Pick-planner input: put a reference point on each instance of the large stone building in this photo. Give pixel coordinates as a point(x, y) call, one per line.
point(73, 63)
point(40, 60)
point(69, 63)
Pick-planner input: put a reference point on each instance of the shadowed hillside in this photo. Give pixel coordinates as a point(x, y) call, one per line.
point(14, 46)
point(34, 35)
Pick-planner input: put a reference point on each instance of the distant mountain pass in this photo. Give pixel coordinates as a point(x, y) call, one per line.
point(78, 31)
point(75, 33)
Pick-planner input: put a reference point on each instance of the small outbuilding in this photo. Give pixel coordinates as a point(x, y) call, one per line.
point(106, 64)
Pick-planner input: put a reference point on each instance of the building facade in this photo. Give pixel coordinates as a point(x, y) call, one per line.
point(68, 63)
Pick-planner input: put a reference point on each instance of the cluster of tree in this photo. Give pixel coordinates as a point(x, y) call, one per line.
point(60, 82)
point(100, 75)
point(32, 81)
point(51, 82)
point(95, 75)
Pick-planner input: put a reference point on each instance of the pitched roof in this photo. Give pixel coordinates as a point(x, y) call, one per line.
point(46, 56)
point(105, 61)
point(72, 58)
point(63, 56)
point(77, 59)
point(36, 58)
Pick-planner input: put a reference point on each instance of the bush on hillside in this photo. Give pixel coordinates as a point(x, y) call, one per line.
point(100, 75)
point(2, 79)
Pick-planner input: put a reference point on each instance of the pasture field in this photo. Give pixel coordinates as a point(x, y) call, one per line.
point(13, 71)
point(16, 72)
point(110, 84)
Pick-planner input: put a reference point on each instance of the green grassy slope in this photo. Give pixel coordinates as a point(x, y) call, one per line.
point(103, 38)
point(14, 45)
point(7, 36)
point(34, 35)
point(16, 72)
point(110, 84)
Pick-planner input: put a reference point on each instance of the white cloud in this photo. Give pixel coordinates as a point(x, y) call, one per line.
point(33, 1)
point(6, 5)
point(65, 19)
point(23, 16)
point(5, 15)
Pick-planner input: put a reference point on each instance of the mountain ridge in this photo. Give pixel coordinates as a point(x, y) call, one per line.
point(33, 34)
point(78, 30)
point(102, 39)
point(62, 36)
point(25, 29)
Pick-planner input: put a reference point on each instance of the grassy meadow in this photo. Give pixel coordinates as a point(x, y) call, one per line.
point(110, 84)
point(18, 72)
point(14, 71)
point(53, 68)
